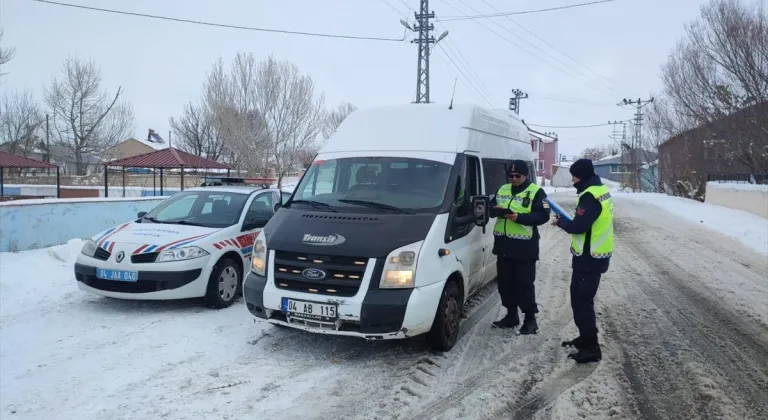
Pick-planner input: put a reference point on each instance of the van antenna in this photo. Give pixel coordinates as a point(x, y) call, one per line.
point(453, 93)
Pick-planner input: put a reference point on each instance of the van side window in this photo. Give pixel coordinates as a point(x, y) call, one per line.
point(495, 175)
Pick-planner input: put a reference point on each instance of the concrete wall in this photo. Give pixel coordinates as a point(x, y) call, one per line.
point(748, 197)
point(31, 224)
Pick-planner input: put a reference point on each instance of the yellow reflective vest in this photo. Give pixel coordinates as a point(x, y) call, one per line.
point(520, 203)
point(601, 239)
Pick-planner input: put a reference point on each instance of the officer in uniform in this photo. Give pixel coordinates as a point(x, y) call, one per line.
point(592, 246)
point(519, 207)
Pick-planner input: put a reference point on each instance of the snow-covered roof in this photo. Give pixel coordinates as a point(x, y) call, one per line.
point(535, 135)
point(609, 159)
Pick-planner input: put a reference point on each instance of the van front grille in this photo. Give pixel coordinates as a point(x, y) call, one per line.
point(322, 274)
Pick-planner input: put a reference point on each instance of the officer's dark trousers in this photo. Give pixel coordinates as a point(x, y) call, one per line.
point(583, 290)
point(515, 280)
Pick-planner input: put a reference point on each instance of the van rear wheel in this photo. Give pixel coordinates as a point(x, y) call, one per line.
point(445, 328)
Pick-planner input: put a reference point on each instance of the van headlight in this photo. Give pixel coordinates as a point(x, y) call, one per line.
point(259, 256)
point(89, 248)
point(400, 267)
point(181, 254)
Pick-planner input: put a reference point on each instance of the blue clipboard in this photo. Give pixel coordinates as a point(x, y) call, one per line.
point(558, 210)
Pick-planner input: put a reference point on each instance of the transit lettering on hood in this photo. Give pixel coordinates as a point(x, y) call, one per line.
point(334, 239)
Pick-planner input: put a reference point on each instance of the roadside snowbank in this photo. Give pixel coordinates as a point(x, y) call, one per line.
point(749, 229)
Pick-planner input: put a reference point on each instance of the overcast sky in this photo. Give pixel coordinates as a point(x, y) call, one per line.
point(618, 49)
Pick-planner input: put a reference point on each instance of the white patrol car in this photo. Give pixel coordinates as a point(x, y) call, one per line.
point(196, 243)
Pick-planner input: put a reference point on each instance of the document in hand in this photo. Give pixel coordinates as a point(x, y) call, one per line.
point(558, 210)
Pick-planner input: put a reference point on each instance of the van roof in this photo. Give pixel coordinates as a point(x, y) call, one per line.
point(422, 127)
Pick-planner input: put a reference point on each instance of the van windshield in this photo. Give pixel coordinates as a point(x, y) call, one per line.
point(374, 184)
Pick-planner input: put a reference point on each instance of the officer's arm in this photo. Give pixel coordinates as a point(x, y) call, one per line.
point(539, 214)
point(587, 211)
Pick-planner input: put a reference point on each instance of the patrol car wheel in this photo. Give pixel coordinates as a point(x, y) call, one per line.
point(223, 284)
point(445, 328)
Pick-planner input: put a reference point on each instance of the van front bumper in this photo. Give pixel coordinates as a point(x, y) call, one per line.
point(375, 314)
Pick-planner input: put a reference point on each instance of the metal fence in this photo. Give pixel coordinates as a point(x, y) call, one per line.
point(760, 178)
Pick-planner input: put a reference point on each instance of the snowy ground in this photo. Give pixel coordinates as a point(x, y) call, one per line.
point(683, 314)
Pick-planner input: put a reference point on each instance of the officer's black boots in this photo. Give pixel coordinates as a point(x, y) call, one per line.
point(529, 325)
point(511, 320)
point(577, 342)
point(590, 352)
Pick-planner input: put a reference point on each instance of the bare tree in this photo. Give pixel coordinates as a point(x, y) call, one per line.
point(293, 115)
point(6, 53)
point(20, 122)
point(718, 69)
point(229, 100)
point(336, 117)
point(86, 119)
point(593, 153)
point(196, 133)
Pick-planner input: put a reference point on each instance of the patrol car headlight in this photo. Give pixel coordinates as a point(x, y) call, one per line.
point(400, 267)
point(181, 254)
point(259, 256)
point(89, 248)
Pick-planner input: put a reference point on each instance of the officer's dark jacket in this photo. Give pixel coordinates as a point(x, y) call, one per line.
point(522, 249)
point(587, 211)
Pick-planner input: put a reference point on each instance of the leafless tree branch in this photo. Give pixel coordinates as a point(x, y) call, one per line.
point(20, 123)
point(86, 119)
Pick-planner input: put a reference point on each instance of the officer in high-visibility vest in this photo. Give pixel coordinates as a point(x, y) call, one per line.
point(592, 246)
point(519, 207)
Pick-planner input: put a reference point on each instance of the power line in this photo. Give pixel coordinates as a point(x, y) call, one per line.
point(524, 12)
point(222, 25)
point(550, 45)
point(588, 81)
point(464, 76)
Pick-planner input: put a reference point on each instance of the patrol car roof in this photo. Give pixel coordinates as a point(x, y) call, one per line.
point(242, 189)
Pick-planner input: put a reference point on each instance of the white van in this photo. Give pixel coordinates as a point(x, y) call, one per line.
point(385, 235)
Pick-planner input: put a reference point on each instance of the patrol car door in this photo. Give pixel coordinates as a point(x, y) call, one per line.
point(257, 214)
point(467, 240)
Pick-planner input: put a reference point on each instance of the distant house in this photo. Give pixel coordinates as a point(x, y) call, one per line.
point(130, 147)
point(625, 168)
point(545, 153)
point(689, 159)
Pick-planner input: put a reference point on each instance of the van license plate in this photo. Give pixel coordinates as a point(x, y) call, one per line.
point(310, 310)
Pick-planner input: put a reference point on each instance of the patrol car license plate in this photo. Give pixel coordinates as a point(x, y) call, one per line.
point(117, 275)
point(310, 310)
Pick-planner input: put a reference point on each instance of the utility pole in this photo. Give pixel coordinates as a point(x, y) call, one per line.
point(424, 29)
point(637, 140)
point(514, 101)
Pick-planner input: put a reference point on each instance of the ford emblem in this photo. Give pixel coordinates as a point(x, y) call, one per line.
point(313, 274)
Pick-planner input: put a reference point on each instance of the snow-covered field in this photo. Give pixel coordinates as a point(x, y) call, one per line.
point(683, 314)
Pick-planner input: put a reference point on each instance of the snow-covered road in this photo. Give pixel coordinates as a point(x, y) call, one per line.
point(683, 317)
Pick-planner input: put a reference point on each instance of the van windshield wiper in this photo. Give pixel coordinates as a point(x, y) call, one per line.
point(153, 220)
point(315, 204)
point(376, 205)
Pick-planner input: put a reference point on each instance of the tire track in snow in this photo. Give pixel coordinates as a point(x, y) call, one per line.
point(714, 360)
point(554, 317)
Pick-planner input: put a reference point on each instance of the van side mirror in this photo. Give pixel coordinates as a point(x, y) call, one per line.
point(481, 207)
point(277, 206)
point(141, 214)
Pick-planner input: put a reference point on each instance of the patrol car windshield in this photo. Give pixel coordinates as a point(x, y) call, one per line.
point(373, 184)
point(214, 209)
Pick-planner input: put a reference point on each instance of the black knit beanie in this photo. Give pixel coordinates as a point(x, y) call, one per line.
point(582, 169)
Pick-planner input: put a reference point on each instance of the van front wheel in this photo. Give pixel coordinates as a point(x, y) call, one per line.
point(445, 328)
